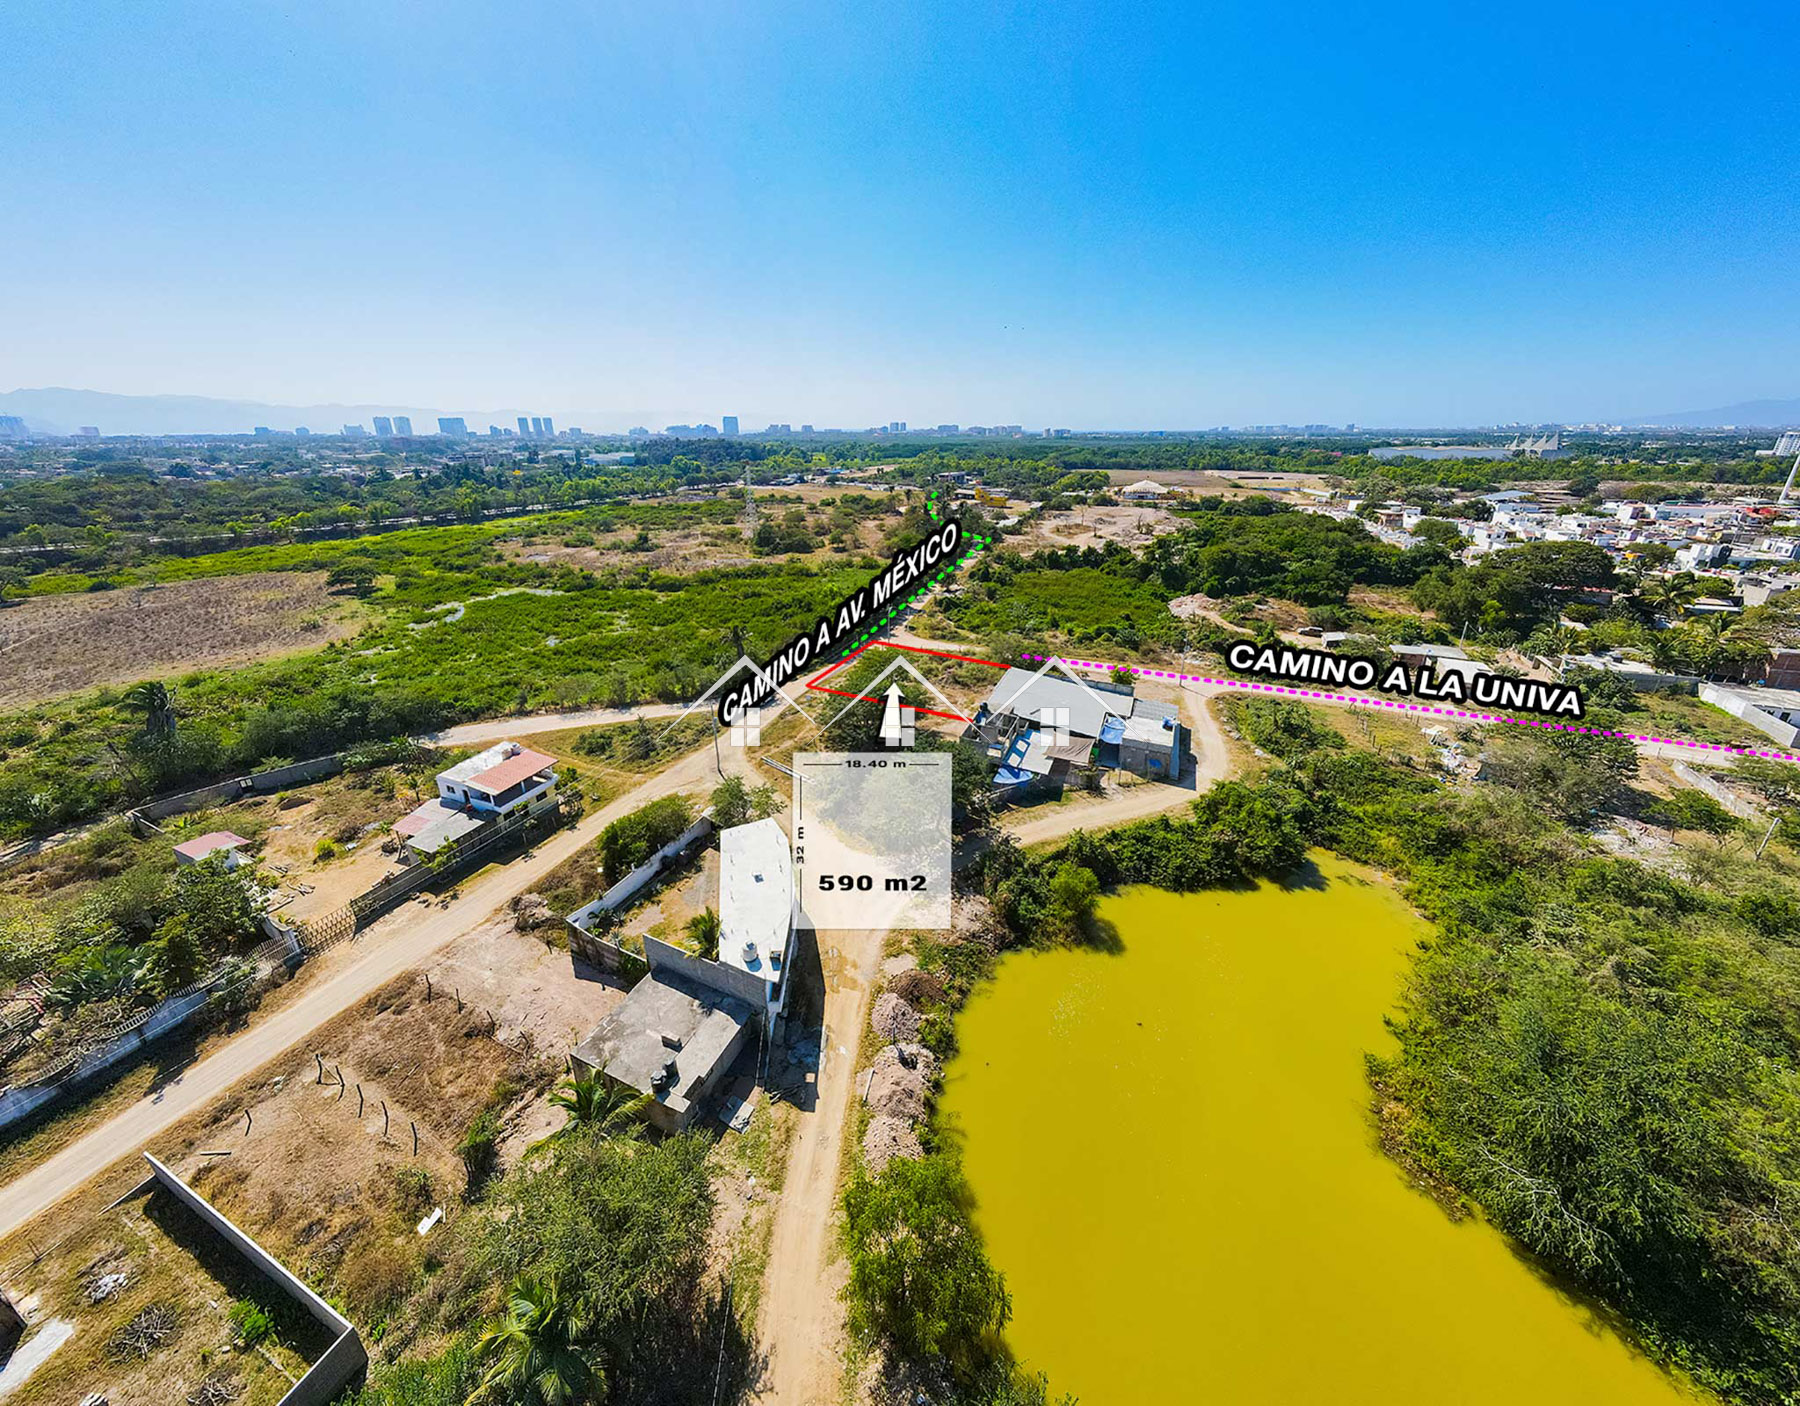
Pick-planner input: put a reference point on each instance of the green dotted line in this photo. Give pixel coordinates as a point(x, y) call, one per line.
point(931, 505)
point(881, 621)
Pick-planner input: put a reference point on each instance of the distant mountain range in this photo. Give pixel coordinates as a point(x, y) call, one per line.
point(1746, 414)
point(56, 410)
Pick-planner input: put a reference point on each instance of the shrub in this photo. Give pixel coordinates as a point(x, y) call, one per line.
point(251, 1322)
point(919, 1276)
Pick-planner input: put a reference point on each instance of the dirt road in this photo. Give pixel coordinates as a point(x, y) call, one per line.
point(799, 1316)
point(419, 933)
point(465, 734)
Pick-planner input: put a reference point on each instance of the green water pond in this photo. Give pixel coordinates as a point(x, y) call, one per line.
point(1176, 1168)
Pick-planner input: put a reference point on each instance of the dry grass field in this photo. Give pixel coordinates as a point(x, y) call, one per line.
point(56, 645)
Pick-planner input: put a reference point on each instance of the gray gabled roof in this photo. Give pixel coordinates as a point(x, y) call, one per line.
point(1027, 694)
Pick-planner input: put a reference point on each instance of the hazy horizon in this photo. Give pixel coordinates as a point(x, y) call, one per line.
point(1094, 217)
point(63, 409)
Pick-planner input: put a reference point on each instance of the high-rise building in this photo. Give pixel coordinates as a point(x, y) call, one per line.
point(355, 432)
point(537, 426)
point(729, 424)
point(384, 427)
point(896, 427)
point(549, 428)
point(1789, 443)
point(806, 429)
point(301, 432)
point(452, 426)
point(524, 427)
point(402, 424)
point(262, 432)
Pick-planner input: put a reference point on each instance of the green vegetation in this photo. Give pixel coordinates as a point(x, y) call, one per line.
point(598, 1106)
point(579, 1269)
point(734, 803)
point(702, 932)
point(118, 944)
point(1596, 1053)
point(1245, 548)
point(250, 1323)
point(918, 1275)
point(445, 646)
point(631, 839)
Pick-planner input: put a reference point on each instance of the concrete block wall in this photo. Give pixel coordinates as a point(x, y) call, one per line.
point(1741, 706)
point(346, 1357)
point(716, 976)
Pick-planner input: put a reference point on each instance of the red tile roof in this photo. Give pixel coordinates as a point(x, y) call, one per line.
point(514, 769)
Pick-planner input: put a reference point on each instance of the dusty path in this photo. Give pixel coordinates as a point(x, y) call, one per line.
point(421, 933)
point(500, 729)
point(799, 1317)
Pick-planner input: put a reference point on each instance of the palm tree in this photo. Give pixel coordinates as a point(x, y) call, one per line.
point(536, 1349)
point(703, 931)
point(1670, 595)
point(611, 1110)
point(156, 702)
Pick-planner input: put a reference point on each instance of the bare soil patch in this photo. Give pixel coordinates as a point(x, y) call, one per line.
point(534, 990)
point(1130, 524)
point(56, 645)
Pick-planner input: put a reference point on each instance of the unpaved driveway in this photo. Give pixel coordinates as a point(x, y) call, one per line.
point(418, 934)
point(502, 729)
point(799, 1317)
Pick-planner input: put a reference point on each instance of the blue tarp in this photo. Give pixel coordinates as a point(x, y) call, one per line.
point(1010, 773)
point(1113, 730)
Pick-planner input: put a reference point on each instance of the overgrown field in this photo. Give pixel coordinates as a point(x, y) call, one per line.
point(460, 630)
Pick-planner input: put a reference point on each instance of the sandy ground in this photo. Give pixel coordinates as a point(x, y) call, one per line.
point(799, 1326)
point(531, 989)
point(1132, 524)
point(54, 645)
point(410, 938)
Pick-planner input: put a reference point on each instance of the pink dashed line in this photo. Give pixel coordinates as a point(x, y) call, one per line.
point(1424, 708)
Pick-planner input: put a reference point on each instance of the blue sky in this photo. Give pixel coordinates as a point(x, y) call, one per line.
point(1085, 215)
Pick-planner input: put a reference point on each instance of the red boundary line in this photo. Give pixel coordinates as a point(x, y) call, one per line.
point(814, 684)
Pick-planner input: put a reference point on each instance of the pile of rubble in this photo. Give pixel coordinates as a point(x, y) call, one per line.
point(894, 1020)
point(531, 911)
point(896, 1088)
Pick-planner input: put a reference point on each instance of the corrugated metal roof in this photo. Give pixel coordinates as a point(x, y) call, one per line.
point(1028, 695)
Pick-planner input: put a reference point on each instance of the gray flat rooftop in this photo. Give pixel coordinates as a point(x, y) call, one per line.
point(1149, 731)
point(630, 1047)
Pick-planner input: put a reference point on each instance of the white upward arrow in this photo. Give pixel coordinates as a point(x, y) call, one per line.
point(894, 720)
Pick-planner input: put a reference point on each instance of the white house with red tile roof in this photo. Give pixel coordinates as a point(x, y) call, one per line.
point(504, 779)
point(215, 842)
point(499, 780)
